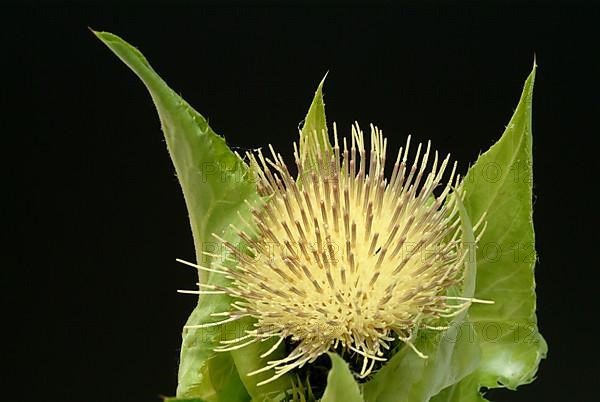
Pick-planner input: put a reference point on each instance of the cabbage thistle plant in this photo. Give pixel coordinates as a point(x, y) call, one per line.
point(333, 278)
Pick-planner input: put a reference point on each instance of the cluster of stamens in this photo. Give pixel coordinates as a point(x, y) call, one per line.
point(341, 256)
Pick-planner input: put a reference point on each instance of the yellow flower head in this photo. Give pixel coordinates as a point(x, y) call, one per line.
point(342, 255)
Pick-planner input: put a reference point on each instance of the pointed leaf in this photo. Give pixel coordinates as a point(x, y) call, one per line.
point(340, 383)
point(215, 183)
point(500, 182)
point(314, 139)
point(214, 180)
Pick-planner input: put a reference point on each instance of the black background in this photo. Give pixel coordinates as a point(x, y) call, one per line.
point(94, 215)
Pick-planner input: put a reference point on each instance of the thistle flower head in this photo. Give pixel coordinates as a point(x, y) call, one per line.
point(342, 255)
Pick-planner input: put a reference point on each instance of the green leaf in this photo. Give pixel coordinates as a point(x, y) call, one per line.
point(341, 386)
point(500, 182)
point(247, 359)
point(215, 183)
point(452, 354)
point(314, 139)
point(225, 379)
point(214, 180)
point(466, 390)
point(199, 363)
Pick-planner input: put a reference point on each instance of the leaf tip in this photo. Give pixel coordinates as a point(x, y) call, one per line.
point(103, 35)
point(320, 87)
point(531, 78)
